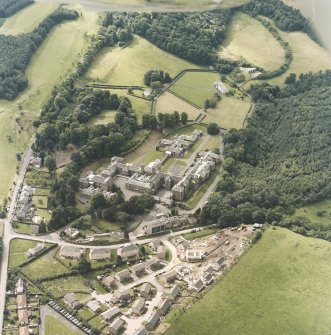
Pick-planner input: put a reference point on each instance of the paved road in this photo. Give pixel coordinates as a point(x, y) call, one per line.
point(7, 233)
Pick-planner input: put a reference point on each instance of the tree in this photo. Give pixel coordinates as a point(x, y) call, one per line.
point(142, 250)
point(119, 260)
point(98, 201)
point(291, 79)
point(184, 118)
point(207, 104)
point(213, 129)
point(84, 265)
point(50, 163)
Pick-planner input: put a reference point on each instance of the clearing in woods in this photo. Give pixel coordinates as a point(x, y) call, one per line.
point(127, 66)
point(250, 41)
point(230, 112)
point(27, 19)
point(50, 64)
point(168, 103)
point(196, 87)
point(282, 285)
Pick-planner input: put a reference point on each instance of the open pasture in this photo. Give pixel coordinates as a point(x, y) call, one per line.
point(250, 41)
point(169, 103)
point(196, 87)
point(127, 66)
point(282, 285)
point(27, 19)
point(230, 112)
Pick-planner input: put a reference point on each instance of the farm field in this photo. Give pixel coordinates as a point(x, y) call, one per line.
point(246, 38)
point(27, 19)
point(196, 87)
point(117, 66)
point(282, 285)
point(49, 65)
point(317, 213)
point(55, 327)
point(168, 103)
point(229, 113)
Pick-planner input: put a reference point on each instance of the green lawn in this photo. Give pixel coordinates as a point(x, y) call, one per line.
point(128, 66)
point(27, 19)
point(168, 103)
point(196, 87)
point(281, 286)
point(22, 228)
point(42, 191)
point(230, 112)
point(17, 251)
point(245, 40)
point(40, 201)
point(213, 143)
point(319, 212)
point(201, 233)
point(44, 214)
point(55, 327)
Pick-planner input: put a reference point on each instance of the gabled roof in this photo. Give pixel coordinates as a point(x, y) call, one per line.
point(110, 313)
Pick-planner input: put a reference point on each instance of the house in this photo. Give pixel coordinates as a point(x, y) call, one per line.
point(123, 275)
point(93, 306)
point(34, 229)
point(110, 314)
point(138, 307)
point(198, 285)
point(21, 301)
point(36, 250)
point(170, 276)
point(24, 330)
point(116, 326)
point(140, 331)
point(153, 264)
point(108, 281)
point(155, 244)
point(100, 254)
point(174, 292)
point(145, 290)
point(19, 286)
point(152, 322)
point(209, 269)
point(23, 317)
point(138, 269)
point(71, 300)
point(121, 296)
point(72, 233)
point(36, 162)
point(164, 307)
point(128, 251)
point(70, 251)
point(193, 255)
point(207, 278)
point(161, 252)
point(221, 88)
point(220, 262)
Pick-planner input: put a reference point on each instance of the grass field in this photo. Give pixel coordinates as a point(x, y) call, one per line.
point(55, 327)
point(246, 38)
point(196, 87)
point(213, 143)
point(128, 66)
point(281, 286)
point(40, 201)
point(18, 248)
point(229, 113)
point(200, 233)
point(319, 212)
point(50, 64)
point(168, 103)
point(27, 19)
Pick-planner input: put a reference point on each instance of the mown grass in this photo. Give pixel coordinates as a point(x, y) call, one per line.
point(318, 213)
point(214, 142)
point(27, 19)
point(196, 87)
point(53, 326)
point(17, 251)
point(246, 38)
point(169, 103)
point(40, 201)
point(230, 112)
point(281, 286)
point(128, 66)
point(200, 233)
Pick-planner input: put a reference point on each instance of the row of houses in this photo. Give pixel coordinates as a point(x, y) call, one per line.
point(23, 312)
point(164, 223)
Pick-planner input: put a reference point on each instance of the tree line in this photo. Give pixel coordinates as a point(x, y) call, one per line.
point(16, 52)
point(281, 160)
point(9, 7)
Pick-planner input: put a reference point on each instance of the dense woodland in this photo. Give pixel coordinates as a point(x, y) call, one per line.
point(9, 7)
point(285, 17)
point(282, 159)
point(16, 52)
